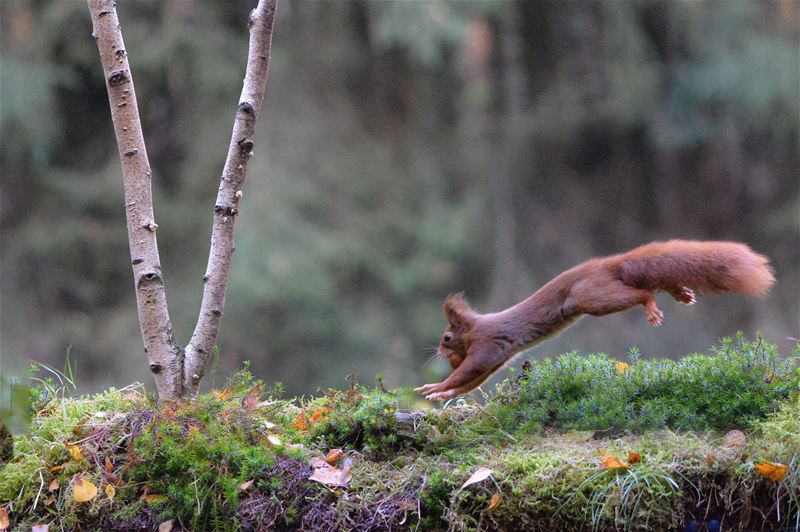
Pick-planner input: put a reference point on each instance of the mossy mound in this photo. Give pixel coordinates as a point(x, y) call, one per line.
point(571, 444)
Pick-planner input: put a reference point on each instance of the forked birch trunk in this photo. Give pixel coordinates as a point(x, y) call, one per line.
point(178, 372)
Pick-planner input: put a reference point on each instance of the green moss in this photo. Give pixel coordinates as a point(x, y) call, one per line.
point(238, 458)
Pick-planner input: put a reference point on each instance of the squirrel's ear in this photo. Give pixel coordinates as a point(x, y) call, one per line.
point(457, 311)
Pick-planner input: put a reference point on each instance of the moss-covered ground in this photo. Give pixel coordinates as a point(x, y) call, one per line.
point(581, 442)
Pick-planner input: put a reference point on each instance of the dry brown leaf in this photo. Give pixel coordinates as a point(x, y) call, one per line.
point(735, 438)
point(611, 462)
point(634, 458)
point(251, 400)
point(482, 473)
point(83, 490)
point(109, 465)
point(333, 456)
point(244, 486)
point(771, 470)
point(154, 499)
point(5, 522)
point(710, 457)
point(75, 451)
point(40, 528)
point(166, 526)
point(110, 490)
point(79, 425)
point(54, 485)
point(332, 476)
point(221, 396)
point(495, 501)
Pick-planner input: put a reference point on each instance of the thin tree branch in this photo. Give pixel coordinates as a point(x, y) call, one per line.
point(226, 208)
point(164, 353)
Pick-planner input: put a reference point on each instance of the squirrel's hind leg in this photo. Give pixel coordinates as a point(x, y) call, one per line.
point(615, 296)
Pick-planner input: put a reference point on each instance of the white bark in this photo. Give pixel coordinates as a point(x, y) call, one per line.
point(164, 353)
point(177, 373)
point(226, 209)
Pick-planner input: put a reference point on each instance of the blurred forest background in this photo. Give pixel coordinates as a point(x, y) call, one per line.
point(406, 150)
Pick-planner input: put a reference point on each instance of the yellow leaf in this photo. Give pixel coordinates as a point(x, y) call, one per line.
point(5, 523)
point(83, 490)
point(495, 501)
point(110, 491)
point(75, 452)
point(771, 470)
point(611, 462)
point(621, 367)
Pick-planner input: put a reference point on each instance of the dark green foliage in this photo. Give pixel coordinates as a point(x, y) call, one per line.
point(741, 381)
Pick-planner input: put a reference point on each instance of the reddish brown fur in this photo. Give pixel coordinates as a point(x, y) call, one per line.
point(477, 345)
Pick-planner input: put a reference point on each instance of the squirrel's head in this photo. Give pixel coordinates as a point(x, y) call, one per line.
point(456, 338)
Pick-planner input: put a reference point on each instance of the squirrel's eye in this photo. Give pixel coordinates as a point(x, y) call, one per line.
point(447, 337)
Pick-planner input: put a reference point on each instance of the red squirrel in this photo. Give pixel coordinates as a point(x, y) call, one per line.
point(477, 345)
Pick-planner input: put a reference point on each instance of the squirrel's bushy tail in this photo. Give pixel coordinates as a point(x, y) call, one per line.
point(701, 266)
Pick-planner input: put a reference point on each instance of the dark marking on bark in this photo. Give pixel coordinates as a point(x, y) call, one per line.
point(155, 367)
point(225, 211)
point(246, 108)
point(216, 312)
point(117, 78)
point(103, 13)
point(131, 153)
point(245, 146)
point(206, 277)
point(120, 53)
point(147, 278)
point(137, 261)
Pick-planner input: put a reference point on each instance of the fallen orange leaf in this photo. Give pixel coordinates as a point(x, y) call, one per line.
point(634, 458)
point(334, 455)
point(83, 490)
point(319, 414)
point(223, 394)
point(57, 468)
point(771, 470)
point(611, 462)
point(601, 452)
point(495, 501)
point(5, 522)
point(79, 425)
point(300, 422)
point(109, 465)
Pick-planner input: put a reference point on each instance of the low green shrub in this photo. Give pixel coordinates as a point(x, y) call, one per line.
point(739, 382)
